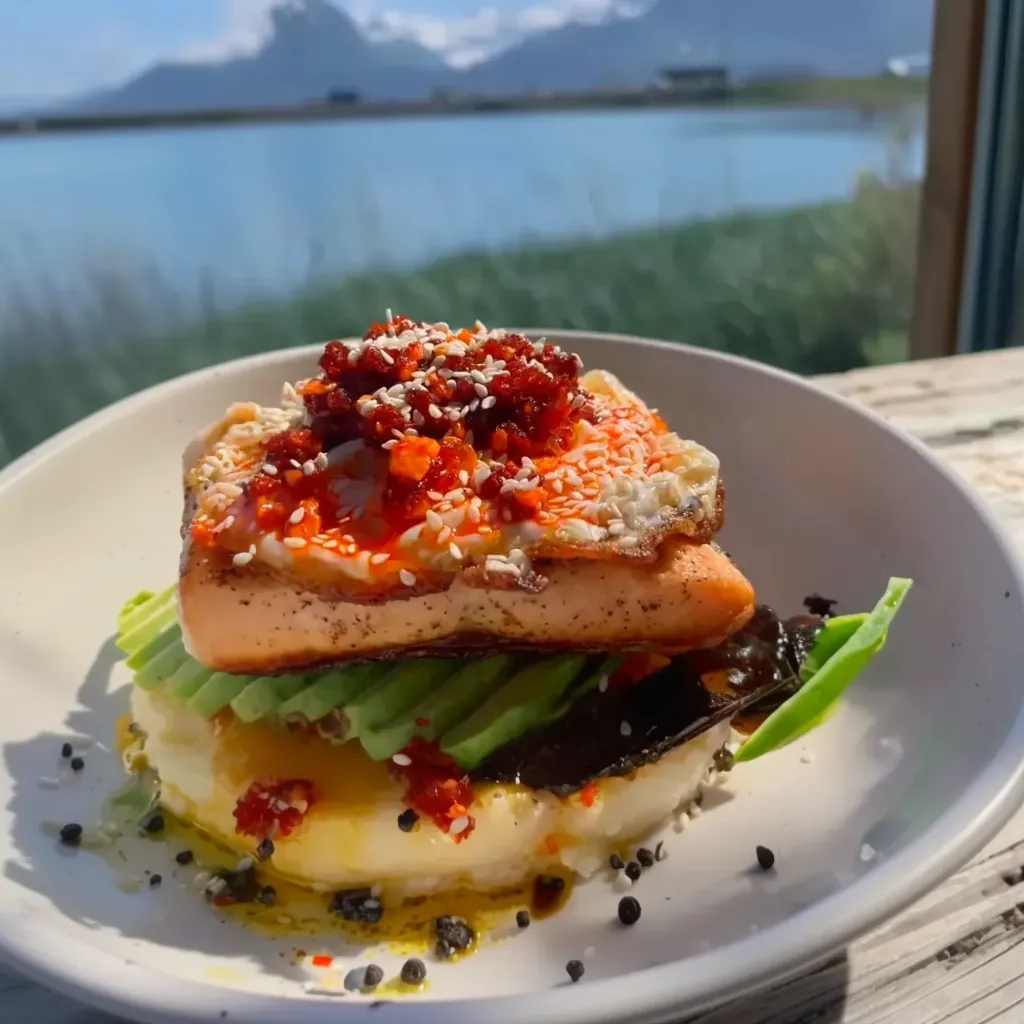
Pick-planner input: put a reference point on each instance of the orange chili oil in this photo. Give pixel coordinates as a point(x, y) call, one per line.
point(436, 787)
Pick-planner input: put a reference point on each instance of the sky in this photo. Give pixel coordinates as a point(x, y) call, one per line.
point(56, 48)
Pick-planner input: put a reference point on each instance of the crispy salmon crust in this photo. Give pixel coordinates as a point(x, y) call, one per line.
point(256, 621)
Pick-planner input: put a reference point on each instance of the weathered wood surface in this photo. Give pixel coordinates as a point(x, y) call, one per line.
point(957, 956)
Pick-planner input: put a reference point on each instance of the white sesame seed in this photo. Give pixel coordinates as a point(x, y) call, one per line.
point(242, 558)
point(434, 411)
point(295, 463)
point(463, 477)
point(455, 551)
point(308, 469)
point(380, 558)
point(388, 445)
point(481, 390)
point(459, 825)
point(602, 684)
point(435, 495)
point(295, 542)
point(626, 729)
point(403, 759)
point(411, 535)
point(477, 376)
point(330, 543)
point(407, 577)
point(489, 402)
point(270, 469)
point(455, 495)
point(434, 521)
point(297, 516)
point(444, 534)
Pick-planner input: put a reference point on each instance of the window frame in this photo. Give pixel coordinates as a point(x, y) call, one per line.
point(961, 92)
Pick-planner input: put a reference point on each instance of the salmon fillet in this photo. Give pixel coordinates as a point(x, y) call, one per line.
point(257, 621)
point(439, 490)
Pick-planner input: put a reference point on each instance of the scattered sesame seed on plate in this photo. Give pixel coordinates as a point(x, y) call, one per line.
point(242, 558)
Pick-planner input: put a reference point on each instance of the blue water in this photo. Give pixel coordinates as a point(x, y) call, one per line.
point(259, 209)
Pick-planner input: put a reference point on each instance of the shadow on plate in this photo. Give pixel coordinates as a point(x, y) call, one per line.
point(83, 885)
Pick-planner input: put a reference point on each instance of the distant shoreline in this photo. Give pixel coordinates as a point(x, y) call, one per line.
point(872, 96)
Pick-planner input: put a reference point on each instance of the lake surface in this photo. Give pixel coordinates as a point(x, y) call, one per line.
point(260, 209)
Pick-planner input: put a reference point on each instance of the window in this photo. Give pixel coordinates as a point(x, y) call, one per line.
point(183, 183)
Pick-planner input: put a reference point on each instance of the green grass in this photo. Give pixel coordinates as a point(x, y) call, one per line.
point(814, 290)
point(883, 92)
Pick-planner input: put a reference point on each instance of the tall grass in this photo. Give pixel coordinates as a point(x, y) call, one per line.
point(819, 289)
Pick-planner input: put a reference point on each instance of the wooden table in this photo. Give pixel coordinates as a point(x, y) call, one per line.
point(957, 956)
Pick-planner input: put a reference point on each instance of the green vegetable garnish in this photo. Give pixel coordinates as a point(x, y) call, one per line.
point(132, 603)
point(842, 651)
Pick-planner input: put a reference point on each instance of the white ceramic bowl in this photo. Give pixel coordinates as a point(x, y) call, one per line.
point(920, 768)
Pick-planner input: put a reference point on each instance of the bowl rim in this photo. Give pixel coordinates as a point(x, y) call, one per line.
point(679, 987)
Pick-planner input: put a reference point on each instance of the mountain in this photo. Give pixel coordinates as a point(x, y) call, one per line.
point(750, 37)
point(313, 49)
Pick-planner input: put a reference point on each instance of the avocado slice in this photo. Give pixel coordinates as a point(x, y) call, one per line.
point(440, 710)
point(187, 679)
point(135, 639)
point(161, 667)
point(332, 689)
point(264, 695)
point(155, 645)
point(142, 605)
point(526, 700)
point(402, 688)
point(216, 693)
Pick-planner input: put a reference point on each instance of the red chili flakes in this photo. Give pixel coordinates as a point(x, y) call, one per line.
point(588, 794)
point(322, 961)
point(437, 787)
point(298, 445)
point(273, 808)
point(527, 407)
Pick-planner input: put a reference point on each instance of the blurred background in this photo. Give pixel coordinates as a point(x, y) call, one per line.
point(187, 181)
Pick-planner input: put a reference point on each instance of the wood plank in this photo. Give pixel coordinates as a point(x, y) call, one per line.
point(957, 955)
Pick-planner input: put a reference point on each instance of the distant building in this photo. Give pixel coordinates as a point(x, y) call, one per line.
point(710, 82)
